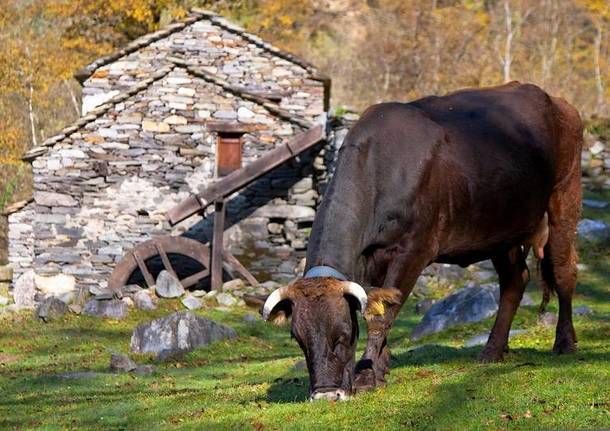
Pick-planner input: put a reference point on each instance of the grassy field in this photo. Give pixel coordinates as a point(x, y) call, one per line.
point(252, 383)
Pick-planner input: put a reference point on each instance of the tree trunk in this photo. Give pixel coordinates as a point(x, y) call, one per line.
point(72, 97)
point(508, 45)
point(599, 83)
point(32, 117)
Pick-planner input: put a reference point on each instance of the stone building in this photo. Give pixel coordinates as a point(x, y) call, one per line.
point(105, 183)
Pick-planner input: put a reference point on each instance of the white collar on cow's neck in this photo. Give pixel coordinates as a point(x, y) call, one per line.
point(324, 271)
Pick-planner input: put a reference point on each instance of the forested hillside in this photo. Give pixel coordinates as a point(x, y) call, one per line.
point(374, 50)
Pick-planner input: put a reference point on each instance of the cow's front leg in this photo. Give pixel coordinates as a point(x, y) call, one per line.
point(383, 306)
point(379, 316)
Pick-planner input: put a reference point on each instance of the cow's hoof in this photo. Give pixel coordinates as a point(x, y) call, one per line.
point(365, 381)
point(488, 356)
point(564, 346)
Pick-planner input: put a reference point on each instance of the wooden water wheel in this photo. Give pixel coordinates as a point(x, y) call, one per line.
point(162, 247)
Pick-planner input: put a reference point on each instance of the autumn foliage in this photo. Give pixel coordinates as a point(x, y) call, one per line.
point(374, 50)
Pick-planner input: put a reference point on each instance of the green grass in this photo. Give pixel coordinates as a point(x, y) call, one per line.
point(251, 383)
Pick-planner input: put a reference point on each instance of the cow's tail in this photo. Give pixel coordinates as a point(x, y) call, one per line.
point(545, 284)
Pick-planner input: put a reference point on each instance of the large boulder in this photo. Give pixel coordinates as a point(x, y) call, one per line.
point(168, 286)
point(467, 305)
point(177, 333)
point(110, 309)
point(51, 308)
point(594, 231)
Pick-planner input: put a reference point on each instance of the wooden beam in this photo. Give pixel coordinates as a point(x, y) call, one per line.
point(236, 264)
point(244, 176)
point(217, 243)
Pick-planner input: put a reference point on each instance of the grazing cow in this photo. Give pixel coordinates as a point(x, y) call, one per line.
point(477, 174)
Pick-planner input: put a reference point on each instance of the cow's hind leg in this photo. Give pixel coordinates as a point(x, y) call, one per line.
point(513, 274)
point(559, 263)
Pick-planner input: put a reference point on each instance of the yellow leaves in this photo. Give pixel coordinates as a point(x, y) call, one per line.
point(286, 20)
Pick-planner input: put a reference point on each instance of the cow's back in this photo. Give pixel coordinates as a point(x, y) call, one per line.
point(498, 165)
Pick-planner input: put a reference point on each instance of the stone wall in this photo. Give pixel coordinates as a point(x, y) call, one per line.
point(220, 49)
point(107, 186)
point(21, 240)
point(596, 162)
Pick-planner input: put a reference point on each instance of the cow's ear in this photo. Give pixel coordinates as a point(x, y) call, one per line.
point(281, 313)
point(278, 306)
point(379, 299)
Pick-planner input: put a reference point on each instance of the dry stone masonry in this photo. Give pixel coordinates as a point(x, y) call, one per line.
point(104, 184)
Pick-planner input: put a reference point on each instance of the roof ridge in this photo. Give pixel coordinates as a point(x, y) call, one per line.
point(196, 14)
point(94, 114)
point(272, 108)
point(17, 206)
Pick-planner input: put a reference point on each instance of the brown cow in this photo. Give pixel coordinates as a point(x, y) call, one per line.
point(477, 174)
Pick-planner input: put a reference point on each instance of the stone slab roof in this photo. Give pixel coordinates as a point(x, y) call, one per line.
point(197, 14)
point(191, 68)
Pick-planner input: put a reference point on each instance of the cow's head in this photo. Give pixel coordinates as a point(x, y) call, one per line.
point(324, 323)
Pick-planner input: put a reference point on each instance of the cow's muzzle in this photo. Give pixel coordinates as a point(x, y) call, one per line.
point(331, 394)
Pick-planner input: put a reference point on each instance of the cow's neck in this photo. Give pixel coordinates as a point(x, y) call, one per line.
point(337, 238)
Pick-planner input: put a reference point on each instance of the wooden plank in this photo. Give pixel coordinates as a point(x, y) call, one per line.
point(217, 244)
point(166, 263)
point(236, 264)
point(191, 280)
point(244, 176)
point(150, 281)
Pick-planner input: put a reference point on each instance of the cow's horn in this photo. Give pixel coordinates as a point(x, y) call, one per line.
point(275, 298)
point(356, 291)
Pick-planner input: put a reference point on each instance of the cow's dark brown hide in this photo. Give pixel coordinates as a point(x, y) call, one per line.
point(456, 179)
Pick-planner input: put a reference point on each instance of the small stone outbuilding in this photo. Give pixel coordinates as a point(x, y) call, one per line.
point(104, 184)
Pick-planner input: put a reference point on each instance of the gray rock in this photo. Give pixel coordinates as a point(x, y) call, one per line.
point(596, 148)
point(300, 365)
point(423, 306)
point(547, 319)
point(285, 211)
point(6, 273)
point(51, 309)
point(583, 310)
point(113, 309)
point(594, 203)
point(120, 363)
point(191, 302)
point(225, 299)
point(178, 332)
point(527, 300)
point(168, 286)
point(143, 301)
point(594, 231)
point(251, 319)
point(480, 340)
point(485, 275)
point(143, 370)
point(24, 290)
point(4, 300)
point(232, 285)
point(79, 375)
point(51, 199)
point(470, 304)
